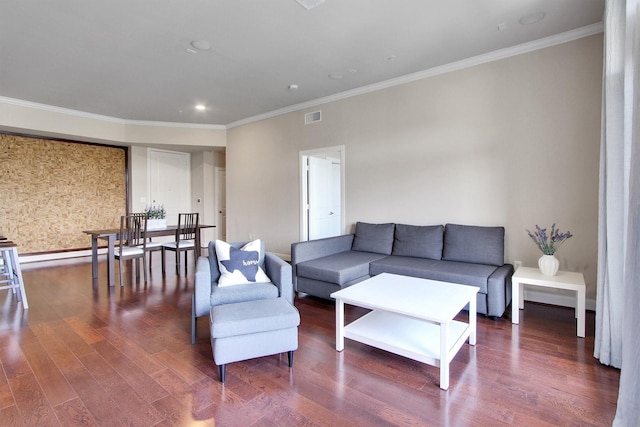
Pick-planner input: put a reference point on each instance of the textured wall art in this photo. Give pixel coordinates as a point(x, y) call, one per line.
point(50, 191)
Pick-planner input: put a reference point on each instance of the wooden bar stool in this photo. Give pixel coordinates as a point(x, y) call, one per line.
point(11, 275)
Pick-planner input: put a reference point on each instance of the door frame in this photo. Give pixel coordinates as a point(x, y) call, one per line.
point(220, 233)
point(304, 188)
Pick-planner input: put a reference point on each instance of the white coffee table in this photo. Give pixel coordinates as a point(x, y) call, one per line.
point(411, 317)
point(562, 280)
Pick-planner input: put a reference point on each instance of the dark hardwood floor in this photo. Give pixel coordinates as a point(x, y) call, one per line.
point(84, 354)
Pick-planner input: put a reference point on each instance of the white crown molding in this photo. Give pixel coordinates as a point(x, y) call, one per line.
point(454, 66)
point(435, 71)
point(174, 125)
point(60, 110)
point(92, 116)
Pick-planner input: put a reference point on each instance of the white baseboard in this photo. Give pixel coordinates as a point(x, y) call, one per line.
point(556, 298)
point(25, 259)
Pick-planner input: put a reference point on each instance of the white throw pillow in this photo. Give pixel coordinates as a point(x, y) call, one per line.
point(239, 266)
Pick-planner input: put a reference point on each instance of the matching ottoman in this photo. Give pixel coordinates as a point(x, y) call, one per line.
point(251, 329)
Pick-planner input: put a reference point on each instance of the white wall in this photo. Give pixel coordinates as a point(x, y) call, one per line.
point(203, 191)
point(139, 179)
point(513, 142)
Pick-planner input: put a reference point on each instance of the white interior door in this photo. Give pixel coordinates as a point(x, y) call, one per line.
point(221, 204)
point(170, 182)
point(320, 186)
point(322, 193)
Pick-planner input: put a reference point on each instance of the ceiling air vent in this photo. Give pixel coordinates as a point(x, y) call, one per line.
point(310, 4)
point(316, 116)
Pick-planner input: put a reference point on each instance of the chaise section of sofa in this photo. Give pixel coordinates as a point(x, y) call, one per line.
point(323, 266)
point(470, 255)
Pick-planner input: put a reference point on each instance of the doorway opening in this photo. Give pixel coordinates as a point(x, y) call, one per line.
point(322, 193)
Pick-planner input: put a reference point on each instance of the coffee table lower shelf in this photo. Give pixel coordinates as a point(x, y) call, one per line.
point(415, 339)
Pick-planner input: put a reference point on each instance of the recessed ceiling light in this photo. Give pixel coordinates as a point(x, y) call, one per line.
point(201, 107)
point(293, 87)
point(201, 45)
point(532, 18)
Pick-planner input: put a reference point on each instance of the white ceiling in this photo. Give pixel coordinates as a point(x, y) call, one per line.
point(129, 60)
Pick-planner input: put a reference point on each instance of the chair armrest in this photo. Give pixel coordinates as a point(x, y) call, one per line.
point(280, 274)
point(202, 287)
point(312, 249)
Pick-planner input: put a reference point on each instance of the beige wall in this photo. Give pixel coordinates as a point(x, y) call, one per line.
point(513, 142)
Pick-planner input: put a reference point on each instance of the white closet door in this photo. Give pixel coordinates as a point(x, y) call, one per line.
point(170, 182)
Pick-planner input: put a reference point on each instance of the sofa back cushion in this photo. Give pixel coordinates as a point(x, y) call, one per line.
point(475, 244)
point(213, 259)
point(418, 241)
point(375, 238)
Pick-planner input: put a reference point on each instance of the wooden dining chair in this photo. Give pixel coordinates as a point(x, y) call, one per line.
point(186, 240)
point(132, 244)
point(151, 246)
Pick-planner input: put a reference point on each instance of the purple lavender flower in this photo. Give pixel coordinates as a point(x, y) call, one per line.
point(549, 244)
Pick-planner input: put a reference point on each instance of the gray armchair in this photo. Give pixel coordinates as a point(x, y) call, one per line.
point(207, 294)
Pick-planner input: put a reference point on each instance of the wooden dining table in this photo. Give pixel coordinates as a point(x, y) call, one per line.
point(113, 234)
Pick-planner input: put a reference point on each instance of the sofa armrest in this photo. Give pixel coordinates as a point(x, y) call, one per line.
point(499, 290)
point(279, 272)
point(312, 249)
point(202, 288)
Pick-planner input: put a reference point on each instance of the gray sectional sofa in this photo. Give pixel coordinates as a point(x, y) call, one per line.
point(470, 255)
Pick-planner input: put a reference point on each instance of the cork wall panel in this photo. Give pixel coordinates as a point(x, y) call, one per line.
point(50, 191)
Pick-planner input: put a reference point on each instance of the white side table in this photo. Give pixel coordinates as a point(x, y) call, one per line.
point(563, 280)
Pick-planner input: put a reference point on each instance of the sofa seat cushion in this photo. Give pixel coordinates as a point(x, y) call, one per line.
point(251, 317)
point(242, 293)
point(445, 271)
point(338, 268)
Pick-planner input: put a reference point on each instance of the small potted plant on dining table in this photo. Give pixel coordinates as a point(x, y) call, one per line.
point(156, 217)
point(548, 244)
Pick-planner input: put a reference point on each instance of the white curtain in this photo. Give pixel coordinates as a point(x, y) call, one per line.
point(612, 212)
point(618, 299)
